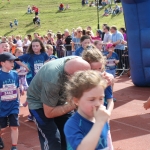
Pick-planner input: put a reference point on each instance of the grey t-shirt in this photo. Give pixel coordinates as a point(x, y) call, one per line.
point(46, 85)
point(107, 37)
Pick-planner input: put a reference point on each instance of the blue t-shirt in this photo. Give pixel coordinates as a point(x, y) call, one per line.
point(110, 64)
point(9, 103)
point(118, 36)
point(52, 57)
point(34, 62)
point(77, 127)
point(76, 42)
point(79, 51)
point(108, 95)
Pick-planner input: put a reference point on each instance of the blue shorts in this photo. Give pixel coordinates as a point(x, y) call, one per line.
point(12, 121)
point(113, 72)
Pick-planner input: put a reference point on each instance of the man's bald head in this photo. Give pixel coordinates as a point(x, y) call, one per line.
point(76, 64)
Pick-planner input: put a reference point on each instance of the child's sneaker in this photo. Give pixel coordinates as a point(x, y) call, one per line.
point(1, 143)
point(13, 148)
point(30, 118)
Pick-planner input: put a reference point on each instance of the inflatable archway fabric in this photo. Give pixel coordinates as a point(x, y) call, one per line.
point(137, 20)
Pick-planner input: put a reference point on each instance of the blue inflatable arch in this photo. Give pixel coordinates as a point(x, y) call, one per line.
point(137, 20)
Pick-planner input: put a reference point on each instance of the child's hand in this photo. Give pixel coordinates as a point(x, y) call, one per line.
point(146, 105)
point(108, 77)
point(18, 70)
point(116, 61)
point(101, 114)
point(27, 69)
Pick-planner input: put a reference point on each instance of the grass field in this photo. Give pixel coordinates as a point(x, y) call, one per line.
point(50, 17)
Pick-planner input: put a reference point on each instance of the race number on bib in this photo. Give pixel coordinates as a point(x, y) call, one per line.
point(8, 92)
point(37, 67)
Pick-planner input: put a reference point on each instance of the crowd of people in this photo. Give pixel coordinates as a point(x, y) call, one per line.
point(69, 81)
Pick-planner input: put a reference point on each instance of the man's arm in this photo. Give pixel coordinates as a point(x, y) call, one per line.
point(52, 112)
point(50, 97)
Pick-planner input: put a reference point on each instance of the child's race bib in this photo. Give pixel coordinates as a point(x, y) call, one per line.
point(111, 62)
point(8, 92)
point(22, 71)
point(37, 67)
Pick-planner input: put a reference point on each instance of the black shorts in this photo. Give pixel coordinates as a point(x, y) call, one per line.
point(12, 121)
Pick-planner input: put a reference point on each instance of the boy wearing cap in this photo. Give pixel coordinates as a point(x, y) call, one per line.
point(9, 97)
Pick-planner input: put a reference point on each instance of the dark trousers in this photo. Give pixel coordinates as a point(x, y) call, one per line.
point(50, 131)
point(120, 54)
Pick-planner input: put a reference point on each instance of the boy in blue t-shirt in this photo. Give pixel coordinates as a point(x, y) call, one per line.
point(85, 41)
point(112, 59)
point(9, 97)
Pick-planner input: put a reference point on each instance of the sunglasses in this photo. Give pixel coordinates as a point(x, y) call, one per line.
point(79, 31)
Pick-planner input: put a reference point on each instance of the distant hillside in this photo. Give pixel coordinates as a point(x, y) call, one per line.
point(50, 17)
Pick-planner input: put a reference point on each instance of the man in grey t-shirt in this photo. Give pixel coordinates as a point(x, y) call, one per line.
point(107, 36)
point(47, 101)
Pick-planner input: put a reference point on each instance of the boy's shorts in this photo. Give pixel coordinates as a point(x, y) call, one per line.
point(12, 121)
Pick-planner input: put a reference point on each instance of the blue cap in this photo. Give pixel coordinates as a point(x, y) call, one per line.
point(7, 56)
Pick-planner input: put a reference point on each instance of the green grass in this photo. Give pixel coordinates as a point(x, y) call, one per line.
point(50, 17)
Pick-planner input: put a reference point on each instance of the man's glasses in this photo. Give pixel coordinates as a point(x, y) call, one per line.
point(79, 31)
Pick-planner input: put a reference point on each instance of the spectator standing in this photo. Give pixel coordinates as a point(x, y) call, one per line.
point(76, 41)
point(25, 44)
point(123, 31)
point(11, 24)
point(33, 8)
point(67, 42)
point(103, 33)
point(14, 39)
point(83, 2)
point(19, 42)
point(107, 36)
point(29, 37)
point(118, 39)
point(36, 10)
point(51, 41)
point(59, 46)
point(90, 29)
point(29, 10)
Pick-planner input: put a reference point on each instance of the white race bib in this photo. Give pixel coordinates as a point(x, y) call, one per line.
point(37, 67)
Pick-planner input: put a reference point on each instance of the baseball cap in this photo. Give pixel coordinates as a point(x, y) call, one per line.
point(7, 56)
point(109, 45)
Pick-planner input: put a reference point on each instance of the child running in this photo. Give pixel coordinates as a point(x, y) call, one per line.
point(88, 127)
point(97, 62)
point(22, 72)
point(9, 98)
point(35, 59)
